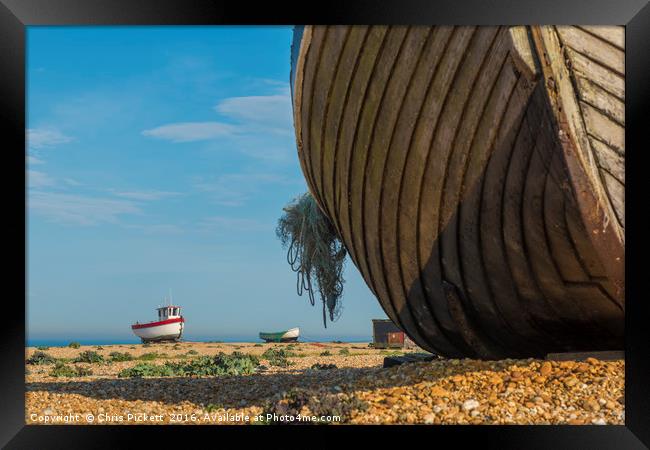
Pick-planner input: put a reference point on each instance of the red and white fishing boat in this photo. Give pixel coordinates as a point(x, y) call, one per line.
point(168, 327)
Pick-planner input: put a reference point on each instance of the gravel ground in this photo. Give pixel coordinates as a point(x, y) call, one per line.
point(357, 391)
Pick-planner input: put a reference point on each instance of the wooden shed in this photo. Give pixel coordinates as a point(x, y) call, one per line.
point(385, 334)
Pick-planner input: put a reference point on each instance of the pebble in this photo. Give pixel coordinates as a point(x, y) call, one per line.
point(545, 369)
point(470, 404)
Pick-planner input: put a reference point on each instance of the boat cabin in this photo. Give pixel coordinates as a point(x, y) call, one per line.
point(169, 312)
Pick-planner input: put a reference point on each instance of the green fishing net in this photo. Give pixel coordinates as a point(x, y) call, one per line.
point(315, 252)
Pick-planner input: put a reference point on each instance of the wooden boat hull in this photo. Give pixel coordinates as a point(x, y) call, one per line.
point(476, 177)
point(290, 335)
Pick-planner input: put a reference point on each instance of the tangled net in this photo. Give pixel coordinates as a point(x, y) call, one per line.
point(315, 252)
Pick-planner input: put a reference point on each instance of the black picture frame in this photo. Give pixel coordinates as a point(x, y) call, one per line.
point(15, 15)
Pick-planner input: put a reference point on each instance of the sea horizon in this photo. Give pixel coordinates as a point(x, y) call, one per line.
point(62, 342)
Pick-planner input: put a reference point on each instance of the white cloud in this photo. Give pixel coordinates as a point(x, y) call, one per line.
point(36, 179)
point(71, 182)
point(273, 111)
point(78, 209)
point(29, 159)
point(145, 195)
point(190, 131)
point(39, 138)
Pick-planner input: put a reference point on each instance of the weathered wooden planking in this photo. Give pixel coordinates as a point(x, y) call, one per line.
point(608, 80)
point(596, 49)
point(522, 52)
point(572, 126)
point(616, 191)
point(612, 34)
point(609, 159)
point(422, 278)
point(601, 92)
point(599, 98)
point(602, 127)
point(402, 131)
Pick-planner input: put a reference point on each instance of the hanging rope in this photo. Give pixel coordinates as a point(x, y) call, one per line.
point(315, 252)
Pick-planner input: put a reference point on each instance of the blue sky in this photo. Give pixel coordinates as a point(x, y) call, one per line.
point(157, 158)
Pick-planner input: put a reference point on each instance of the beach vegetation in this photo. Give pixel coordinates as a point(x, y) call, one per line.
point(344, 352)
point(89, 357)
point(326, 353)
point(74, 345)
point(41, 358)
point(146, 370)
point(149, 356)
point(62, 370)
point(212, 407)
point(42, 347)
point(278, 357)
point(120, 357)
point(236, 363)
point(275, 352)
point(221, 364)
point(319, 366)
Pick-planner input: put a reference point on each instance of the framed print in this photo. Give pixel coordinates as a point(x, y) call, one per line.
point(400, 213)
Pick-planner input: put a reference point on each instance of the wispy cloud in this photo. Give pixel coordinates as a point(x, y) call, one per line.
point(39, 138)
point(37, 179)
point(250, 116)
point(33, 160)
point(78, 209)
point(270, 111)
point(72, 182)
point(190, 131)
point(148, 195)
point(98, 107)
